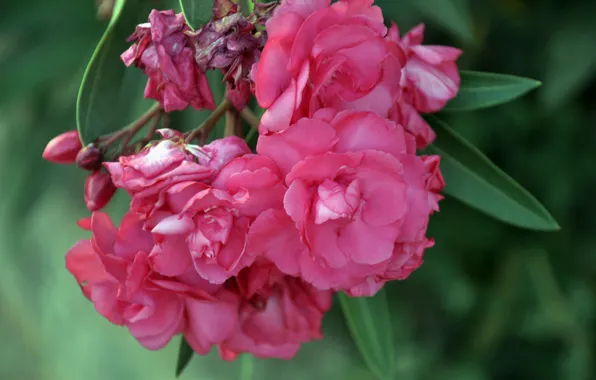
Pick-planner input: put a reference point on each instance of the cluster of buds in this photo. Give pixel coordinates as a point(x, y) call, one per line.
point(66, 149)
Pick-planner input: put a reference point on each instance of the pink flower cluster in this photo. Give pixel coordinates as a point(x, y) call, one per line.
point(243, 251)
point(180, 262)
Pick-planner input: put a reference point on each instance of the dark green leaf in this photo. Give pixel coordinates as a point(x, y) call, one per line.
point(570, 63)
point(473, 179)
point(452, 15)
point(185, 353)
point(482, 90)
point(105, 98)
point(369, 321)
point(197, 12)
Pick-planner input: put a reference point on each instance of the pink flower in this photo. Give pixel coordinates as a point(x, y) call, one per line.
point(207, 225)
point(63, 149)
point(115, 272)
point(145, 176)
point(355, 190)
point(320, 55)
point(277, 314)
point(162, 50)
point(99, 190)
point(430, 76)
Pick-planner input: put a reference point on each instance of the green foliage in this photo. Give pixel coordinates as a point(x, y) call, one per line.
point(473, 179)
point(197, 12)
point(369, 321)
point(185, 353)
point(105, 99)
point(571, 57)
point(453, 15)
point(482, 90)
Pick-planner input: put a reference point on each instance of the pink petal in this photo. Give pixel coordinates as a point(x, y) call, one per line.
point(366, 244)
point(305, 138)
point(360, 131)
point(209, 323)
point(272, 77)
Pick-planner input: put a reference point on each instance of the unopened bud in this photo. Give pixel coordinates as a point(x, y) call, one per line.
point(99, 190)
point(63, 149)
point(89, 158)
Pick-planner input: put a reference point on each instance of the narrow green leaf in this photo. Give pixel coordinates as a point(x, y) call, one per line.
point(246, 367)
point(197, 12)
point(185, 353)
point(473, 179)
point(104, 98)
point(482, 90)
point(453, 15)
point(369, 322)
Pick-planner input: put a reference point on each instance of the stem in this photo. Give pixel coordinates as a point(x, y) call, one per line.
point(250, 118)
point(151, 132)
point(129, 132)
point(233, 124)
point(206, 126)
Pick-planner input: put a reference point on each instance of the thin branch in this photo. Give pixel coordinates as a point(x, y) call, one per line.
point(206, 126)
point(129, 132)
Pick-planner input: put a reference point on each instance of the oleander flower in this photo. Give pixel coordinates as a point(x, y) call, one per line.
point(145, 176)
point(355, 190)
point(320, 55)
point(115, 272)
point(430, 76)
point(277, 313)
point(208, 223)
point(166, 55)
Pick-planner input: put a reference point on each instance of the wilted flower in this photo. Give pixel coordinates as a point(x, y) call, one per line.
point(231, 43)
point(162, 50)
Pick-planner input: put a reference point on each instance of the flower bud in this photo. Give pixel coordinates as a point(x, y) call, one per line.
point(99, 190)
point(89, 158)
point(63, 149)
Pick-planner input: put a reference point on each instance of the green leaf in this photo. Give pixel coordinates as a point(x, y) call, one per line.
point(197, 12)
point(185, 353)
point(482, 90)
point(570, 59)
point(246, 367)
point(105, 98)
point(453, 15)
point(473, 179)
point(369, 321)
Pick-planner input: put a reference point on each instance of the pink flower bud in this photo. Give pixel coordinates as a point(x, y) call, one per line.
point(63, 149)
point(89, 158)
point(99, 190)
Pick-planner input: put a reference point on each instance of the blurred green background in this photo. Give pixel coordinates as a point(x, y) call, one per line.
point(490, 302)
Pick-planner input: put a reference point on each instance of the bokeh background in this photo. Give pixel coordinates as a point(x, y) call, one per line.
point(490, 302)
